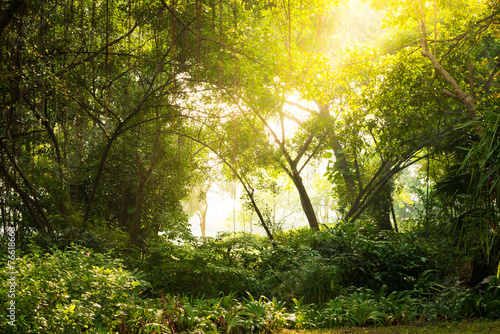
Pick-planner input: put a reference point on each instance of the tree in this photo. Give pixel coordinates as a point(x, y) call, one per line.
point(469, 187)
point(260, 84)
point(207, 176)
point(80, 78)
point(395, 100)
point(231, 144)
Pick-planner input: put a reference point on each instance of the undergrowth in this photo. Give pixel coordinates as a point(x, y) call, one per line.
point(241, 284)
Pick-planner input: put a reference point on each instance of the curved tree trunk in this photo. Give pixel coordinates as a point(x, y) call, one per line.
point(259, 214)
point(31, 203)
point(305, 201)
point(143, 177)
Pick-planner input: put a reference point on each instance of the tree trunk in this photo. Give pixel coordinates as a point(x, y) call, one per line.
point(143, 177)
point(339, 154)
point(97, 178)
point(259, 214)
point(305, 201)
point(396, 229)
point(202, 214)
point(371, 192)
point(381, 208)
point(136, 223)
point(341, 160)
point(124, 217)
point(459, 94)
point(203, 223)
point(31, 204)
point(251, 217)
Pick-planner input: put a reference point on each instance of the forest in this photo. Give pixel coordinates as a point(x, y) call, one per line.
point(359, 138)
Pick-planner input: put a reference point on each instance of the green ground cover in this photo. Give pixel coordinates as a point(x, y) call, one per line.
point(336, 279)
point(463, 327)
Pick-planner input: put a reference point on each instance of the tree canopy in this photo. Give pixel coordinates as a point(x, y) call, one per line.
point(110, 109)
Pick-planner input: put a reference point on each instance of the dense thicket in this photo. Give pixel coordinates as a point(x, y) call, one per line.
point(114, 114)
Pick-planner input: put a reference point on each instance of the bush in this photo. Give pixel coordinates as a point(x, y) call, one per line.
point(487, 301)
point(366, 259)
point(299, 272)
point(100, 240)
point(68, 292)
point(223, 265)
point(77, 291)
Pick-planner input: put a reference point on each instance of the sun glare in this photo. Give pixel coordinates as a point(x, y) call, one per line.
point(295, 112)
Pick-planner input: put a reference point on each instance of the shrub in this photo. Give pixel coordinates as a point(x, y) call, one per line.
point(299, 272)
point(365, 307)
point(223, 265)
point(99, 239)
point(487, 301)
point(69, 292)
point(367, 259)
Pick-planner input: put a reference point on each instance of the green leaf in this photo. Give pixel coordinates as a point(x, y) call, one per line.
point(327, 155)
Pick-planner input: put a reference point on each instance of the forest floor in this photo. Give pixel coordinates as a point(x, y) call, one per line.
point(478, 327)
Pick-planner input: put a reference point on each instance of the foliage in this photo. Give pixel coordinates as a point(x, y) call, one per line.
point(364, 307)
point(487, 302)
point(360, 307)
point(327, 279)
point(79, 290)
point(108, 108)
point(355, 307)
point(207, 315)
point(101, 240)
point(228, 264)
point(85, 135)
point(364, 258)
point(482, 160)
point(458, 302)
point(468, 191)
point(300, 264)
point(69, 292)
point(299, 272)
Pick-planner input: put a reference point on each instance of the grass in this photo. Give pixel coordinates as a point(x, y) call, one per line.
point(479, 327)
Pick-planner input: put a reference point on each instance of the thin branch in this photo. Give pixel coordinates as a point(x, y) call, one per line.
point(18, 135)
point(313, 153)
point(241, 178)
point(218, 42)
point(98, 52)
point(303, 149)
point(298, 105)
